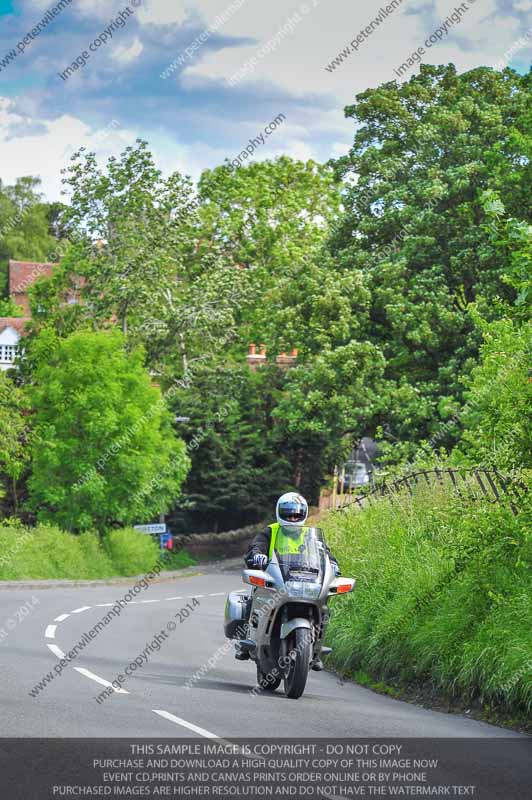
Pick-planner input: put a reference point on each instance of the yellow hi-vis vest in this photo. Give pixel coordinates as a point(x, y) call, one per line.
point(283, 543)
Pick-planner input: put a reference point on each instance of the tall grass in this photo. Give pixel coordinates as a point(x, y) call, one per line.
point(48, 552)
point(443, 596)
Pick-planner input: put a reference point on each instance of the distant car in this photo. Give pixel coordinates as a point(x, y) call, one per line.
point(356, 474)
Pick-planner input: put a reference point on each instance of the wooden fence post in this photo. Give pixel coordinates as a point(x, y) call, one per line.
point(334, 488)
point(342, 480)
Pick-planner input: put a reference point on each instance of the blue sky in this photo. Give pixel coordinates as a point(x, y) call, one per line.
point(194, 118)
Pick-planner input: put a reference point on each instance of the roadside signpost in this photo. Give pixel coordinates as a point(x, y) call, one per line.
point(156, 527)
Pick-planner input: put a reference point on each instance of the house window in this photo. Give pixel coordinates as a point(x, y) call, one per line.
point(8, 353)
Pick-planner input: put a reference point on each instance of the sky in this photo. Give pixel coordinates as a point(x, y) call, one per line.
point(198, 80)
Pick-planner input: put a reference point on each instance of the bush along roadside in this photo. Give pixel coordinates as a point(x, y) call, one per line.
point(442, 605)
point(46, 552)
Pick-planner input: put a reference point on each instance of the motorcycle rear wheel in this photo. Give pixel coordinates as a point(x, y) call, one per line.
point(299, 652)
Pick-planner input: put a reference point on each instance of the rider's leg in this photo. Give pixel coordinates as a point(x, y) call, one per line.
point(240, 654)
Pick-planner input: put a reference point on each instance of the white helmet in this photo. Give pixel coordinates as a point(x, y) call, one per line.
point(292, 509)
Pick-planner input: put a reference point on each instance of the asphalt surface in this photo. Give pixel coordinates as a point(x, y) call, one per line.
point(158, 700)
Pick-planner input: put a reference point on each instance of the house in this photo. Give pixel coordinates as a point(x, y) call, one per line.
point(11, 331)
point(21, 275)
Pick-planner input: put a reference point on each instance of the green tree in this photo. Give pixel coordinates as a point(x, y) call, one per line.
point(495, 420)
point(8, 308)
point(106, 451)
point(511, 240)
point(424, 154)
point(24, 225)
point(239, 462)
point(265, 218)
point(313, 306)
point(134, 230)
point(14, 439)
point(326, 403)
point(196, 322)
point(267, 214)
point(271, 220)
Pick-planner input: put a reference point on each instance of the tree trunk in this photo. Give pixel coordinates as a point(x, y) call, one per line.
point(15, 497)
point(183, 353)
point(298, 472)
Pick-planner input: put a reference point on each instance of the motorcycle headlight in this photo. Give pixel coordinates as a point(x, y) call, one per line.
point(304, 589)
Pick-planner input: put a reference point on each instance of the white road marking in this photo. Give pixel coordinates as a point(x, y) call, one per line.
point(50, 631)
point(149, 601)
point(175, 598)
point(104, 605)
point(79, 610)
point(61, 617)
point(56, 650)
point(185, 724)
point(195, 595)
point(93, 677)
point(215, 594)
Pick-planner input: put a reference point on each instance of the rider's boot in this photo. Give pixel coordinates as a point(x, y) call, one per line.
point(317, 664)
point(241, 655)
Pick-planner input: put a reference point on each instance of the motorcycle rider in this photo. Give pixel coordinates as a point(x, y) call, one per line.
point(291, 513)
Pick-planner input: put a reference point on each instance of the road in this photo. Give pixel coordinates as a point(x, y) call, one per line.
point(156, 700)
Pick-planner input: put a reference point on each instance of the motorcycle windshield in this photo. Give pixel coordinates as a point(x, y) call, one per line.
point(300, 553)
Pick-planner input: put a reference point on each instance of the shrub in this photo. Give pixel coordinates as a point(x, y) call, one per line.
point(178, 560)
point(130, 551)
point(47, 552)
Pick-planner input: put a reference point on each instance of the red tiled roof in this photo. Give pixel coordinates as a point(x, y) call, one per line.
point(22, 274)
point(18, 323)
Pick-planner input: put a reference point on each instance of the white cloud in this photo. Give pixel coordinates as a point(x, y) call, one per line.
point(163, 12)
point(298, 59)
point(126, 53)
point(45, 154)
point(93, 8)
point(339, 149)
point(158, 12)
point(294, 68)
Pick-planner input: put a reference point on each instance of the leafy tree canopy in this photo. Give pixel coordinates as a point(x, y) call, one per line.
point(24, 225)
point(424, 154)
point(14, 437)
point(106, 452)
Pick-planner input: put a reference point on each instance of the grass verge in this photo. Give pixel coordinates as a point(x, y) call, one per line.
point(443, 599)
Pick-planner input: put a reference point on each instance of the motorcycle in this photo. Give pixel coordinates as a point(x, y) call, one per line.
point(281, 624)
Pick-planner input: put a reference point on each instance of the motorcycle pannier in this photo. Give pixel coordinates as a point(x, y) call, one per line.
point(236, 614)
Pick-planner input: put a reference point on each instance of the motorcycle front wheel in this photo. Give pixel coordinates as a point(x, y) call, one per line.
point(299, 652)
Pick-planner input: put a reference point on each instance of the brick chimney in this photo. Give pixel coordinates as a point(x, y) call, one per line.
point(285, 361)
point(255, 359)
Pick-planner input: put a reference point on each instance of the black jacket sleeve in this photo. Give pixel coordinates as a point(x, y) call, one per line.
point(260, 544)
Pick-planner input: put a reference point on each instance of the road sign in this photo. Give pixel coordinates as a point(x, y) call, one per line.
point(157, 527)
point(166, 541)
